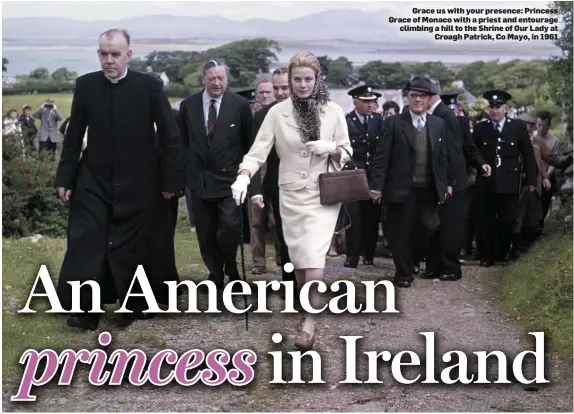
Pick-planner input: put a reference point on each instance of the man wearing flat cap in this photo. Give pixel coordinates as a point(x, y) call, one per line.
point(443, 258)
point(365, 129)
point(505, 145)
point(410, 175)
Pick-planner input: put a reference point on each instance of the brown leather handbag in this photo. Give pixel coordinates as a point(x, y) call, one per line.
point(343, 186)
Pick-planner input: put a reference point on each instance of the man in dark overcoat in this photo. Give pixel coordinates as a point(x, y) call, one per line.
point(216, 130)
point(410, 174)
point(443, 259)
point(119, 188)
point(505, 145)
point(269, 186)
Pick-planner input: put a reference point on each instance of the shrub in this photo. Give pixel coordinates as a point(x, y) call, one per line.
point(29, 201)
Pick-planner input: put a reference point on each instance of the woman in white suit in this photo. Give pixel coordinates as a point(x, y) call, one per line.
point(310, 135)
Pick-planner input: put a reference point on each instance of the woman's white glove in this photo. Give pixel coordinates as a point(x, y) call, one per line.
point(239, 188)
point(321, 147)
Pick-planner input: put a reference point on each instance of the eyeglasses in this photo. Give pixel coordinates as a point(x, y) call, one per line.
point(418, 95)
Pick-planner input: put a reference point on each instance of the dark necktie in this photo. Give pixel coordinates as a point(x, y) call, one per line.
point(366, 123)
point(497, 127)
point(211, 119)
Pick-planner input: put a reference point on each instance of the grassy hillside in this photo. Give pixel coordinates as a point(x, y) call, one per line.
point(63, 102)
point(21, 261)
point(537, 290)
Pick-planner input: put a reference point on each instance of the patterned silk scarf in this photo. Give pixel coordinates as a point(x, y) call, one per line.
point(307, 111)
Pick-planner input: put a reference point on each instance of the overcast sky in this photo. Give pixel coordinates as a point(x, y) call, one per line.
point(235, 10)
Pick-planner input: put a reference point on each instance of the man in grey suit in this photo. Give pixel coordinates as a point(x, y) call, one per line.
point(49, 116)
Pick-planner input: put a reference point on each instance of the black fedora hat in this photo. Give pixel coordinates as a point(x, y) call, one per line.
point(421, 84)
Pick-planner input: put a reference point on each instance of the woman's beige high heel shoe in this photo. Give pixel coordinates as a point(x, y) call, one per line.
point(304, 342)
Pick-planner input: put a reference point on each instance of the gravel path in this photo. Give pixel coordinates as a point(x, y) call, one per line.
point(464, 315)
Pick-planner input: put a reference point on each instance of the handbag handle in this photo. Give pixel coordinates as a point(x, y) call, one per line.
point(348, 153)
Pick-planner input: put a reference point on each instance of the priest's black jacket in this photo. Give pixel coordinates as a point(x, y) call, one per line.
point(117, 213)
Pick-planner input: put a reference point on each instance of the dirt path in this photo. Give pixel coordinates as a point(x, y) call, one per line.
point(462, 314)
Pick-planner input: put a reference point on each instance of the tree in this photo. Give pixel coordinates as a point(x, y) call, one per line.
point(4, 63)
point(245, 59)
point(40, 74)
point(64, 75)
point(139, 65)
point(246, 56)
point(560, 73)
point(325, 62)
point(433, 70)
point(385, 75)
point(340, 72)
point(477, 76)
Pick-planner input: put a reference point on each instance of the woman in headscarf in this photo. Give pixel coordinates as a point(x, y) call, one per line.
point(310, 135)
point(11, 123)
point(12, 131)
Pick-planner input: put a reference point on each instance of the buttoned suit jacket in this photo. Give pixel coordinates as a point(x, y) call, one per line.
point(298, 168)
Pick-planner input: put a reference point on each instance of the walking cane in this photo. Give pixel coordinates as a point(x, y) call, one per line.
point(241, 241)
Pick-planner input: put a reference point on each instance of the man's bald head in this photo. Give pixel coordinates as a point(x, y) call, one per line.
point(109, 35)
point(114, 52)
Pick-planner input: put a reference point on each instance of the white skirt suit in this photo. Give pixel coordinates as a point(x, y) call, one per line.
point(308, 226)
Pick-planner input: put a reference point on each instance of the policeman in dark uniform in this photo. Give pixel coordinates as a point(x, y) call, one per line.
point(443, 258)
point(470, 216)
point(505, 145)
point(365, 129)
point(249, 94)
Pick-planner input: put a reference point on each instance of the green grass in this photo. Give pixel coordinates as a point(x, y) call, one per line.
point(62, 100)
point(537, 291)
point(21, 261)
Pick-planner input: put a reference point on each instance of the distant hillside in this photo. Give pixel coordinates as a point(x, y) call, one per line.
point(342, 26)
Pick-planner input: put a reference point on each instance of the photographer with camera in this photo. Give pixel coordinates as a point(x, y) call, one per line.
point(49, 116)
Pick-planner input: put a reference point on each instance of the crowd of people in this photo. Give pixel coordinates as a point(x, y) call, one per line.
point(24, 126)
point(438, 180)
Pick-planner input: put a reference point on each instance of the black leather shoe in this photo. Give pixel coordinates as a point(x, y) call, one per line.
point(486, 263)
point(204, 290)
point(416, 269)
point(368, 262)
point(450, 277)
point(351, 263)
point(429, 275)
point(142, 316)
point(88, 322)
point(123, 320)
point(403, 284)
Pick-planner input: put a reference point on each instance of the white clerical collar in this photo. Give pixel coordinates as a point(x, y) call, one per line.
point(118, 79)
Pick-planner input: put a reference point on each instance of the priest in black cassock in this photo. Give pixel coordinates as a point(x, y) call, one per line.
point(119, 189)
